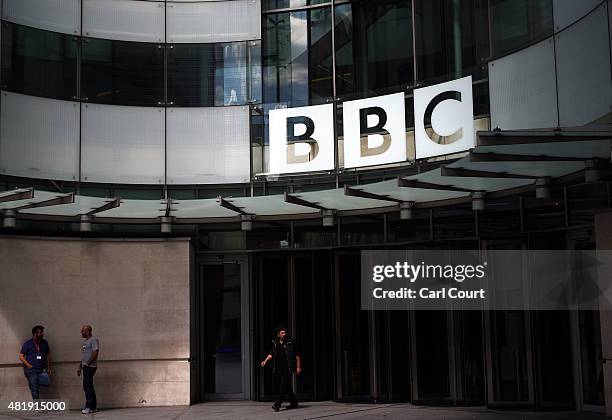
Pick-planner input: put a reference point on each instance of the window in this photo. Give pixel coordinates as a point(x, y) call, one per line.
point(297, 57)
point(373, 48)
point(39, 63)
point(452, 38)
point(207, 74)
point(122, 73)
point(516, 23)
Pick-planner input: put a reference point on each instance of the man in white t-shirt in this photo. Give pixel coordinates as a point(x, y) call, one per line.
point(89, 357)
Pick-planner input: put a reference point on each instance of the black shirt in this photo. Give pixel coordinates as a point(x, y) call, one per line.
point(284, 355)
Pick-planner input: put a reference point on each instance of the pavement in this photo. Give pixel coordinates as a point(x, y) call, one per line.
point(309, 410)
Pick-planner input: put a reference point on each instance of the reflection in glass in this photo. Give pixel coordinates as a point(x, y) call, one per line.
point(297, 61)
point(516, 23)
point(254, 71)
point(122, 73)
point(207, 74)
point(452, 38)
point(284, 4)
point(38, 63)
point(373, 47)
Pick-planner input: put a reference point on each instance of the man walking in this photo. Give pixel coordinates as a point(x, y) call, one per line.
point(34, 355)
point(286, 359)
point(89, 356)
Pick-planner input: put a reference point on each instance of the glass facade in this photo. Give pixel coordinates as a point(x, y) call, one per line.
point(452, 38)
point(39, 63)
point(207, 74)
point(46, 64)
point(297, 57)
point(517, 23)
point(122, 73)
point(285, 4)
point(373, 48)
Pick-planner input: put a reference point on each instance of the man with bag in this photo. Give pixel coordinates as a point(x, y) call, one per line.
point(34, 355)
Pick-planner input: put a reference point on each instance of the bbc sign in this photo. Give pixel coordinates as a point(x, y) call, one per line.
point(302, 139)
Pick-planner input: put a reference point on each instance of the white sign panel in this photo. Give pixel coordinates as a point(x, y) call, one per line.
point(302, 139)
point(449, 108)
point(374, 131)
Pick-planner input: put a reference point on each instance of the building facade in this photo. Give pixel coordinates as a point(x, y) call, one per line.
point(135, 150)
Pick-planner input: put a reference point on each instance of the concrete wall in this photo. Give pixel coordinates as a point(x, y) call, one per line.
point(135, 294)
point(603, 236)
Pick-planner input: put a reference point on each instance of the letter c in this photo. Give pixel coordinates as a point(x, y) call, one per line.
point(444, 96)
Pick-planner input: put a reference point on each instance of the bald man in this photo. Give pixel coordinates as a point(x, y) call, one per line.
point(89, 356)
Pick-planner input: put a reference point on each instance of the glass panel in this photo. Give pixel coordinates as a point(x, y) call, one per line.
point(452, 38)
point(222, 367)
point(509, 356)
point(304, 314)
point(590, 358)
point(213, 21)
point(432, 355)
point(122, 73)
point(297, 62)
point(519, 22)
point(38, 63)
point(354, 347)
point(472, 352)
point(553, 342)
point(399, 355)
point(254, 71)
point(207, 74)
point(373, 48)
point(284, 4)
point(273, 297)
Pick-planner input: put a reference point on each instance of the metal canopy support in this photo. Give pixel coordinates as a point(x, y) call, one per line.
point(65, 199)
point(415, 183)
point(226, 204)
point(301, 202)
point(114, 203)
point(353, 192)
point(19, 194)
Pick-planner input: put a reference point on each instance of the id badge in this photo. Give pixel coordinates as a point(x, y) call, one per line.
point(39, 357)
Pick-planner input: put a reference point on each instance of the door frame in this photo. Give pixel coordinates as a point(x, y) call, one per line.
point(245, 322)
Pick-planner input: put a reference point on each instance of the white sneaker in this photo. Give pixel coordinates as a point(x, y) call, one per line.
point(86, 411)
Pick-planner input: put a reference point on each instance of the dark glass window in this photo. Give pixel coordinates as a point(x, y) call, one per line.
point(373, 47)
point(122, 73)
point(207, 74)
point(39, 63)
point(284, 4)
point(452, 38)
point(297, 57)
point(516, 23)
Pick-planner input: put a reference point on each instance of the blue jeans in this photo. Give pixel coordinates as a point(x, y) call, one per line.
point(88, 387)
point(32, 375)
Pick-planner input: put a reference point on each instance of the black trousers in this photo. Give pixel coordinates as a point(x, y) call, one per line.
point(88, 387)
point(282, 378)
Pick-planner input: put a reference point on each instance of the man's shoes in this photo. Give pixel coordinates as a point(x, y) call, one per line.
point(275, 407)
point(86, 411)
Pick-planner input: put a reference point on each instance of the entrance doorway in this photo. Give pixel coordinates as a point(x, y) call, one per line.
point(222, 302)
